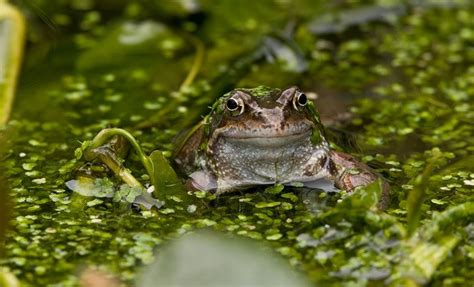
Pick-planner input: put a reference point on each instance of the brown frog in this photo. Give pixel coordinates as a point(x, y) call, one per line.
point(265, 136)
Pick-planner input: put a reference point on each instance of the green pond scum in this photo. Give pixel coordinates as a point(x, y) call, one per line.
point(397, 78)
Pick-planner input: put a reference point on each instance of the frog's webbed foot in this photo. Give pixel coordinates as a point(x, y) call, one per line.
point(205, 180)
point(348, 174)
point(201, 180)
point(321, 183)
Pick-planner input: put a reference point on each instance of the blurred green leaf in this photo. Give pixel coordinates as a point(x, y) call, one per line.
point(7, 279)
point(132, 42)
point(212, 259)
point(416, 196)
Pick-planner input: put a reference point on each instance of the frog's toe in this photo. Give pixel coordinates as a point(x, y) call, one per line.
point(350, 181)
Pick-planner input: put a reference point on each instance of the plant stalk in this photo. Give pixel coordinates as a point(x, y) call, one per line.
point(104, 135)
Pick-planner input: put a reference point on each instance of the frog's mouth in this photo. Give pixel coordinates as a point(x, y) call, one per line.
point(270, 135)
point(271, 141)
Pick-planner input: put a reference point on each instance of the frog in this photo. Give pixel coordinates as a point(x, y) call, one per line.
point(265, 136)
point(252, 137)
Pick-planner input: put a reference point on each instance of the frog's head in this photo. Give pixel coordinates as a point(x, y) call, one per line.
point(265, 117)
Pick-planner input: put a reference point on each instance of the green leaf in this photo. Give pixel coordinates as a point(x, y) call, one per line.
point(94, 202)
point(267, 204)
point(212, 259)
point(128, 193)
point(275, 189)
point(438, 201)
point(167, 184)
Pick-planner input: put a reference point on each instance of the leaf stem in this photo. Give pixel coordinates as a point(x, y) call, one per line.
point(197, 63)
point(104, 135)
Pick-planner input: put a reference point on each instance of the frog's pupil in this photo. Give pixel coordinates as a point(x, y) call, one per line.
point(232, 104)
point(302, 99)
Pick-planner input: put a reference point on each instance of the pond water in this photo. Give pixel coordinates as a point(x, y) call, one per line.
point(396, 79)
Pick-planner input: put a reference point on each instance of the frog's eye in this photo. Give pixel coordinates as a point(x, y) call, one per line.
point(234, 105)
point(299, 100)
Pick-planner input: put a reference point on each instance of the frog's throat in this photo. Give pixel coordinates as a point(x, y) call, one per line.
point(318, 166)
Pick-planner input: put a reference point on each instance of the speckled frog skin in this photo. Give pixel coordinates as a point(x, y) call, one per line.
point(265, 136)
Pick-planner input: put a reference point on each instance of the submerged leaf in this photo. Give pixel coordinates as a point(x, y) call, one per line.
point(104, 188)
point(97, 187)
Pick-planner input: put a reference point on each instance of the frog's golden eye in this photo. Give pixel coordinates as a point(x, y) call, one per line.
point(233, 105)
point(299, 100)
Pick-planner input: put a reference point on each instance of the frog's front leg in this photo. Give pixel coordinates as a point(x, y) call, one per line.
point(348, 174)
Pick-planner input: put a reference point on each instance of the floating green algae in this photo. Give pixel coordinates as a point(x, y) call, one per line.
point(413, 84)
